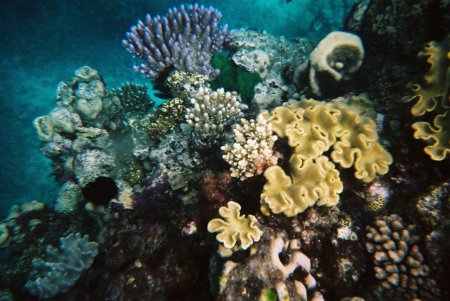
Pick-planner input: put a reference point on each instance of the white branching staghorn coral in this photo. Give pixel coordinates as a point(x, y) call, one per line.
point(209, 112)
point(251, 153)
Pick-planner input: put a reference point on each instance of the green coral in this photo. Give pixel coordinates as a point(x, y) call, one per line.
point(234, 78)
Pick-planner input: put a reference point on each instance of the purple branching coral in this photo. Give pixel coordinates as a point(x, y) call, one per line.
point(399, 264)
point(185, 39)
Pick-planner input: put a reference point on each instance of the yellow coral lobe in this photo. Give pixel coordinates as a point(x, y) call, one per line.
point(313, 127)
point(312, 181)
point(436, 80)
point(433, 96)
point(439, 136)
point(234, 228)
point(358, 146)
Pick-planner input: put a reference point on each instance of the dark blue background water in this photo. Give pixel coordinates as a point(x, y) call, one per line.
point(44, 41)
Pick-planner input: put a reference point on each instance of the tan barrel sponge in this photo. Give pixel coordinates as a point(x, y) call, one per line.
point(311, 181)
point(235, 230)
point(339, 55)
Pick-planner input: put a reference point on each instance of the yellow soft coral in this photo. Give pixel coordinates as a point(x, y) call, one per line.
point(433, 96)
point(436, 80)
point(235, 227)
point(439, 134)
point(312, 127)
point(311, 181)
point(358, 146)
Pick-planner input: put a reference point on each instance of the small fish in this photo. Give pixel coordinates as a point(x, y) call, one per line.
point(317, 23)
point(287, 1)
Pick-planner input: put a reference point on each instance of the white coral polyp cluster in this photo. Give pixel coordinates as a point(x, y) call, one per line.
point(209, 112)
point(252, 151)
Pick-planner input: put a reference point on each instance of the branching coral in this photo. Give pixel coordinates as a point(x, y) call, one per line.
point(251, 151)
point(399, 264)
point(184, 39)
point(311, 181)
point(433, 96)
point(209, 112)
point(235, 230)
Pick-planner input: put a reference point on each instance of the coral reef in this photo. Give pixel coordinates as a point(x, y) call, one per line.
point(74, 135)
point(433, 96)
point(377, 196)
point(184, 200)
point(433, 209)
point(184, 39)
point(61, 269)
point(235, 230)
point(399, 264)
point(251, 151)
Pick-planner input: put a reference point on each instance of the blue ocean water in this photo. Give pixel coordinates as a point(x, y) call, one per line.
point(45, 41)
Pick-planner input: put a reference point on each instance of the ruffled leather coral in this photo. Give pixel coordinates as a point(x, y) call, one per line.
point(433, 96)
point(313, 127)
point(311, 181)
point(235, 229)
